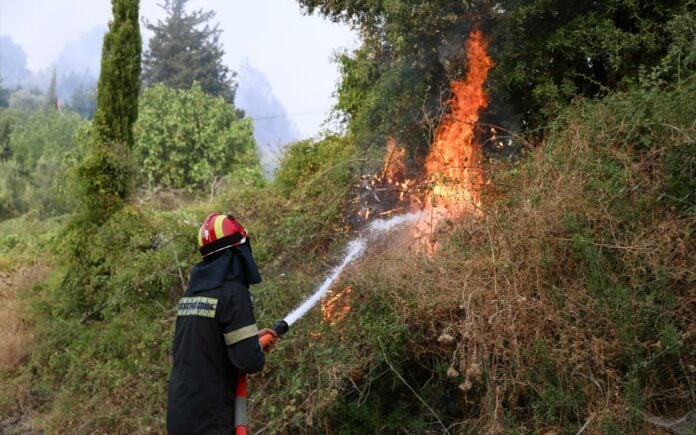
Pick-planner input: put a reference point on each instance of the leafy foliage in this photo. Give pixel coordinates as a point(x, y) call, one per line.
point(567, 305)
point(571, 290)
point(186, 49)
point(8, 120)
point(84, 101)
point(547, 52)
point(187, 139)
point(105, 178)
point(395, 83)
point(12, 190)
point(50, 135)
point(574, 285)
point(382, 98)
point(26, 100)
point(130, 273)
point(4, 95)
point(111, 321)
point(39, 149)
point(304, 208)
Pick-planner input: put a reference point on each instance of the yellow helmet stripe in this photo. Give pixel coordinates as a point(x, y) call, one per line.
point(218, 227)
point(200, 237)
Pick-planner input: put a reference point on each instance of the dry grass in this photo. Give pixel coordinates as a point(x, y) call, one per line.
point(532, 324)
point(15, 324)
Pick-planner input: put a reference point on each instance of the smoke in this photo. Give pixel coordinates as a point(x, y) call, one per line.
point(13, 63)
point(76, 66)
point(82, 55)
point(272, 128)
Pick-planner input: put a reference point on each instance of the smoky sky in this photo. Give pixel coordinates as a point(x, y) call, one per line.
point(292, 50)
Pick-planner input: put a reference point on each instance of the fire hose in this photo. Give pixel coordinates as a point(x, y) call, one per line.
point(240, 393)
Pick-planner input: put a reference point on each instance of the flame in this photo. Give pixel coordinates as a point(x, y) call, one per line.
point(394, 169)
point(453, 174)
point(453, 164)
point(394, 166)
point(335, 307)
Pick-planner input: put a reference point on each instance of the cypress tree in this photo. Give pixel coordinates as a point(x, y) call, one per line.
point(52, 96)
point(4, 94)
point(119, 80)
point(106, 175)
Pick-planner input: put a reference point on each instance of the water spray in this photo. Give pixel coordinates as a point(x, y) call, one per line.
point(353, 251)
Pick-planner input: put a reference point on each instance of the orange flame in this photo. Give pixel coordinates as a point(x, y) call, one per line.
point(335, 307)
point(394, 166)
point(453, 165)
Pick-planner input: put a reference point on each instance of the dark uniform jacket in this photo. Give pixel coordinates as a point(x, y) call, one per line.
point(216, 338)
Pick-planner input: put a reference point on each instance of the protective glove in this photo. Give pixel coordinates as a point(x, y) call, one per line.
point(269, 343)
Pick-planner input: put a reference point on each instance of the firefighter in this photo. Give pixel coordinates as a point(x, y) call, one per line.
point(216, 336)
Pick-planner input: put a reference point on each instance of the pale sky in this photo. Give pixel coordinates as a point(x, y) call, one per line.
point(294, 51)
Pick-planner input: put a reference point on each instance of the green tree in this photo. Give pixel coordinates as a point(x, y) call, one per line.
point(119, 80)
point(106, 175)
point(187, 138)
point(550, 51)
point(546, 53)
point(39, 149)
point(4, 95)
point(9, 118)
point(12, 190)
point(27, 100)
point(184, 49)
point(396, 82)
point(42, 134)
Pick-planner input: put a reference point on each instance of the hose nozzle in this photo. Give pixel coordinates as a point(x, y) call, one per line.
point(281, 327)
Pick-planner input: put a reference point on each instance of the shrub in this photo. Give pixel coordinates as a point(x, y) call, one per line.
point(107, 324)
point(302, 211)
point(40, 147)
point(12, 190)
point(569, 300)
point(188, 139)
point(44, 134)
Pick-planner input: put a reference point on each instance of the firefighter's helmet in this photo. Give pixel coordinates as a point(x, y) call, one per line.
point(220, 232)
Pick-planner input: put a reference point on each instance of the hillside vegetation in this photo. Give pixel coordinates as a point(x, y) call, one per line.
point(566, 304)
point(570, 301)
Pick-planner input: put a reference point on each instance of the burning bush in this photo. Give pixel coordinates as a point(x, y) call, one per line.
point(568, 303)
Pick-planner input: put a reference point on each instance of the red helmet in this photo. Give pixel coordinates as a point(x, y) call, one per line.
point(220, 232)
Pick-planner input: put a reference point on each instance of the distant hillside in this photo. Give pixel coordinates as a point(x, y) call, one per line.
point(273, 129)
